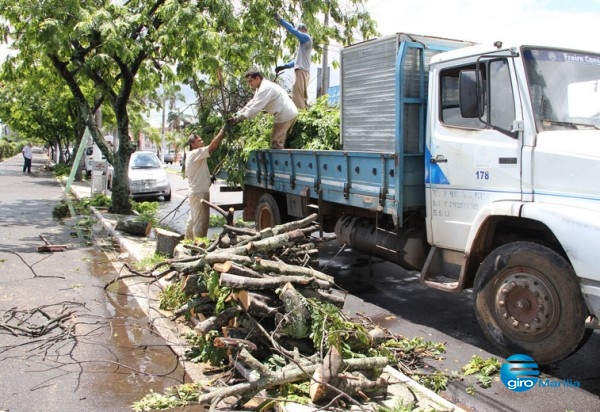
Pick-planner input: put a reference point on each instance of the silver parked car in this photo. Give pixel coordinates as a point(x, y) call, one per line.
point(147, 177)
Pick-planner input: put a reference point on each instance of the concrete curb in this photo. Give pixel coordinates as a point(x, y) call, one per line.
point(445, 404)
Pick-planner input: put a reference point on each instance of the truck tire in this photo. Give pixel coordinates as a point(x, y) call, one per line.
point(528, 300)
point(267, 212)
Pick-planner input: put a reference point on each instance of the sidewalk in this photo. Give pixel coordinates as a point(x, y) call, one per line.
point(403, 391)
point(137, 247)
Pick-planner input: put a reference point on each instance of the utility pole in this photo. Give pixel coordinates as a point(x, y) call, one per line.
point(325, 68)
point(162, 130)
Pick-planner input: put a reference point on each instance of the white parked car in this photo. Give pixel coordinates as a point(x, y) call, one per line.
point(147, 177)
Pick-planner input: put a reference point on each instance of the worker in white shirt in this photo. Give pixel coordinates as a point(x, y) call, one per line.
point(273, 99)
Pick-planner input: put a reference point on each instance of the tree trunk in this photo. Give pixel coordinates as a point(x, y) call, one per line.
point(133, 227)
point(242, 282)
point(166, 241)
point(297, 320)
point(285, 269)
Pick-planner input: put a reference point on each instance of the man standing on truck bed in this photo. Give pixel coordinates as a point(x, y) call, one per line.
point(273, 99)
point(301, 63)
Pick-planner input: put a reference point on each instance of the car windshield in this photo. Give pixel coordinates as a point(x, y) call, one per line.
point(564, 88)
point(144, 161)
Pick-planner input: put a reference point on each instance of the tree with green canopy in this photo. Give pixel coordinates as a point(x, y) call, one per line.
point(126, 49)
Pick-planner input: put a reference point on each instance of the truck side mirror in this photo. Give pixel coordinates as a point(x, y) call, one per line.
point(471, 96)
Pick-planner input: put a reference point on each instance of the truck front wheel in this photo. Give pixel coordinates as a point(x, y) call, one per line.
point(528, 300)
point(267, 212)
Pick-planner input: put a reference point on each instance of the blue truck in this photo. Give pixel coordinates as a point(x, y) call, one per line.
point(474, 165)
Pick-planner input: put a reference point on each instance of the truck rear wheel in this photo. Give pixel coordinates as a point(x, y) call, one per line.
point(528, 300)
point(267, 212)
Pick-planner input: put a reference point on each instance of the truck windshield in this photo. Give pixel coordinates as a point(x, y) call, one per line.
point(564, 88)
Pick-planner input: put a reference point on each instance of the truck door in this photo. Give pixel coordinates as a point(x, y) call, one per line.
point(471, 162)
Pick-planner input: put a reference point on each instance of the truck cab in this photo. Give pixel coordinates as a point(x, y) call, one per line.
point(513, 205)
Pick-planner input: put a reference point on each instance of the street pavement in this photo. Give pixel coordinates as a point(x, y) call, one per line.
point(105, 355)
point(118, 350)
point(27, 213)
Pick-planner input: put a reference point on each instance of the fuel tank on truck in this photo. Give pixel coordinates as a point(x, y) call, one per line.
point(406, 247)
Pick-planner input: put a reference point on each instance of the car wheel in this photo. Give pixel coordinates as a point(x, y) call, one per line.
point(167, 197)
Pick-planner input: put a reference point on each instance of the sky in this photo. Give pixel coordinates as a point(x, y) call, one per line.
point(567, 23)
point(572, 24)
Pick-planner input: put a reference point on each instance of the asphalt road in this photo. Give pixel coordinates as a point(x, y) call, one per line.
point(107, 355)
point(395, 298)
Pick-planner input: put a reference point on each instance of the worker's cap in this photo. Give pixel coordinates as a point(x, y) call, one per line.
point(301, 26)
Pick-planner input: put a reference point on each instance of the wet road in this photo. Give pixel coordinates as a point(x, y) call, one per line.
point(105, 355)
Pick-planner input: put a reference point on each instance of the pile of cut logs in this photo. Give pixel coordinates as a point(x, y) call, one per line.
point(269, 280)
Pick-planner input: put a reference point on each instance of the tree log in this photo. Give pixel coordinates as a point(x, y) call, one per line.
point(203, 304)
point(166, 241)
point(326, 376)
point(275, 242)
point(240, 254)
point(234, 344)
point(193, 285)
point(355, 383)
point(134, 227)
point(258, 303)
point(268, 378)
point(236, 269)
point(217, 321)
point(285, 269)
point(288, 227)
point(297, 320)
point(241, 230)
point(274, 282)
point(210, 259)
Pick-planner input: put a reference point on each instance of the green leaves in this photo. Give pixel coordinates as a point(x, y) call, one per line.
point(115, 54)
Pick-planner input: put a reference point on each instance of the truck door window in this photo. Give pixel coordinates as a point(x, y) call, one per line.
point(449, 100)
point(502, 102)
point(498, 104)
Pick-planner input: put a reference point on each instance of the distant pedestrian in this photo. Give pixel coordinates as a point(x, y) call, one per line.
point(273, 99)
point(27, 156)
point(301, 63)
point(196, 170)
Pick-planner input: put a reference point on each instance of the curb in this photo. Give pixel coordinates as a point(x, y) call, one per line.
point(427, 393)
point(141, 293)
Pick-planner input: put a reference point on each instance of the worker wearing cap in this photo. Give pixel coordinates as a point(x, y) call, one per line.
point(301, 63)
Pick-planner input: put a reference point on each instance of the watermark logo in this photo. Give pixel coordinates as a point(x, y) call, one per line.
point(520, 373)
